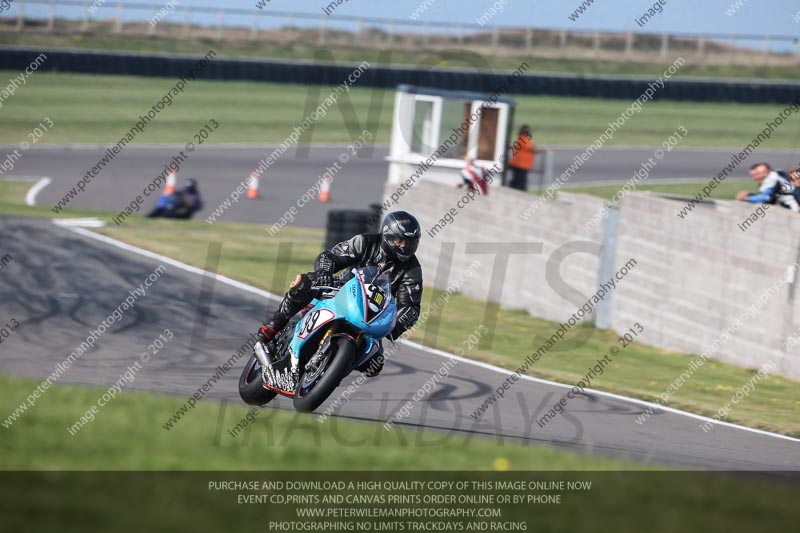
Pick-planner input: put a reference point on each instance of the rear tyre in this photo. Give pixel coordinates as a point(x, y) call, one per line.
point(251, 388)
point(312, 391)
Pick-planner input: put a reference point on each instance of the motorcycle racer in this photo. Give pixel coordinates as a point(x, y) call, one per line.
point(392, 250)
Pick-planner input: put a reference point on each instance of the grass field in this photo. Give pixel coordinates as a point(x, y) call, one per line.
point(724, 191)
point(127, 434)
point(164, 44)
point(100, 109)
point(254, 258)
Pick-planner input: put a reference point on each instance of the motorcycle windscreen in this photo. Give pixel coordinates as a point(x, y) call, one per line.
point(380, 309)
point(373, 312)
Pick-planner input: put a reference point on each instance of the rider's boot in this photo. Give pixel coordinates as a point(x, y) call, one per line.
point(373, 366)
point(288, 307)
point(268, 332)
point(298, 296)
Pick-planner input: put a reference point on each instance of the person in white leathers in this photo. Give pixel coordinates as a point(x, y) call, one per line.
point(773, 188)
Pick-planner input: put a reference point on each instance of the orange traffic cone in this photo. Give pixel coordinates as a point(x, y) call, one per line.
point(325, 189)
point(252, 189)
point(171, 179)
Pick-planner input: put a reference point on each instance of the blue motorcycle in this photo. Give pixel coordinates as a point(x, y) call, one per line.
point(340, 331)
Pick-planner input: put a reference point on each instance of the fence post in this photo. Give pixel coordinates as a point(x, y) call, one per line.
point(426, 36)
point(767, 43)
point(541, 178)
point(152, 28)
point(603, 317)
point(323, 28)
point(788, 328)
point(595, 43)
point(562, 42)
point(460, 34)
point(628, 44)
point(187, 23)
point(254, 27)
point(360, 31)
point(84, 21)
point(733, 48)
point(549, 165)
point(664, 46)
point(495, 39)
point(528, 39)
point(21, 16)
point(391, 34)
point(797, 49)
point(701, 48)
point(118, 21)
point(545, 177)
point(51, 18)
point(221, 23)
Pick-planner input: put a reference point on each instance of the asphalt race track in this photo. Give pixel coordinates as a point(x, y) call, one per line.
point(220, 170)
point(62, 284)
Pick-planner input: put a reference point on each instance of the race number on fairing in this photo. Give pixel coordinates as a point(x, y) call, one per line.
point(313, 320)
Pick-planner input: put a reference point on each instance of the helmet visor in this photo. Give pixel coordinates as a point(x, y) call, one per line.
point(405, 247)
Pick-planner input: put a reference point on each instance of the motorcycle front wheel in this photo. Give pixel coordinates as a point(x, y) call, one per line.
point(316, 384)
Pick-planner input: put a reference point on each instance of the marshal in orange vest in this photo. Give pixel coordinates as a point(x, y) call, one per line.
point(523, 152)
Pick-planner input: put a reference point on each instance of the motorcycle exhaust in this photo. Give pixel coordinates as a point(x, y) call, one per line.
point(262, 355)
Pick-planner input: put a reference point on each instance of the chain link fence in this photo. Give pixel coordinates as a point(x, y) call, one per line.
point(176, 20)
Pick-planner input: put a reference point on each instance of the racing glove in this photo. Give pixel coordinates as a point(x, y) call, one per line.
point(406, 318)
point(301, 284)
point(324, 271)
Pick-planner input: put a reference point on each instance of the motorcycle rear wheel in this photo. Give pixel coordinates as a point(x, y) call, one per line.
point(251, 386)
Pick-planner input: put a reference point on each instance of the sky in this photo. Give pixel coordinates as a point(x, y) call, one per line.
point(749, 17)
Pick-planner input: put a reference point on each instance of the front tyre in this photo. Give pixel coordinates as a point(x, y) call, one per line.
point(251, 388)
point(315, 387)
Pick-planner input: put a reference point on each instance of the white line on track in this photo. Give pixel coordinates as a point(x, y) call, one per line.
point(167, 260)
point(266, 294)
point(30, 198)
point(597, 392)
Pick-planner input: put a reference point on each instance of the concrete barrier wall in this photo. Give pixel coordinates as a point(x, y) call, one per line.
point(697, 278)
point(493, 223)
point(693, 278)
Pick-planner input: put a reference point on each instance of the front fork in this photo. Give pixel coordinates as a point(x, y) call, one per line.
point(324, 345)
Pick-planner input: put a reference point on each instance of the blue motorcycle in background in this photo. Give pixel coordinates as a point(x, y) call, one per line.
point(180, 204)
point(341, 331)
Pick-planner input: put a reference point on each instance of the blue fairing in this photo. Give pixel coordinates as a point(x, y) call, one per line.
point(168, 201)
point(351, 304)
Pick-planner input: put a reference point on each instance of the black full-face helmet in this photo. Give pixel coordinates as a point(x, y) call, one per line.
point(400, 234)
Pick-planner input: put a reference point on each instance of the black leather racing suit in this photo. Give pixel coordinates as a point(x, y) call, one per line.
point(359, 251)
